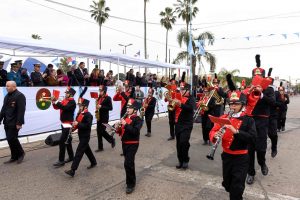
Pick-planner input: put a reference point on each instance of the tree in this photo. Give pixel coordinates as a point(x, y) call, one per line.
point(145, 28)
point(100, 15)
point(36, 37)
point(167, 20)
point(183, 37)
point(182, 8)
point(64, 64)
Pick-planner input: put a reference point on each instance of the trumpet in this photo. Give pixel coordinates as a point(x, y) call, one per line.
point(171, 105)
point(212, 151)
point(50, 99)
point(117, 125)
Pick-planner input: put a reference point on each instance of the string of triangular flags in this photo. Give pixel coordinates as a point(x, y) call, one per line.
point(284, 35)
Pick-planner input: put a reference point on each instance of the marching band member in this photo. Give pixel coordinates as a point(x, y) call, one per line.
point(83, 123)
point(104, 105)
point(67, 108)
point(259, 100)
point(129, 131)
point(171, 113)
point(184, 111)
point(149, 109)
point(235, 140)
point(282, 108)
point(258, 70)
point(219, 107)
point(124, 96)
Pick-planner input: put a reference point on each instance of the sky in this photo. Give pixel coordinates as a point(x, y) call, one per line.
point(271, 26)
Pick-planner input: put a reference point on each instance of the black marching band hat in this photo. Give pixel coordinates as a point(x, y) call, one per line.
point(216, 80)
point(183, 84)
point(103, 88)
point(133, 104)
point(234, 95)
point(85, 102)
point(173, 80)
point(70, 91)
point(281, 87)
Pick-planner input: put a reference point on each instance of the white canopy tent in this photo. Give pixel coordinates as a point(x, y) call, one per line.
point(25, 47)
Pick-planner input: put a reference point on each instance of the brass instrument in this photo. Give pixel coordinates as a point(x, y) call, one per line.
point(97, 114)
point(144, 107)
point(171, 105)
point(219, 100)
point(116, 127)
point(214, 147)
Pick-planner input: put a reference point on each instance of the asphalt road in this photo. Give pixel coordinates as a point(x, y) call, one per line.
point(157, 177)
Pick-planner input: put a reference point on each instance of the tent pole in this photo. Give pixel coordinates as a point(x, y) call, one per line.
point(118, 70)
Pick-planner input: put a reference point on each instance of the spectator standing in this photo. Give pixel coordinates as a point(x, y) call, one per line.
point(94, 77)
point(82, 75)
point(25, 79)
point(13, 75)
point(62, 78)
point(36, 76)
point(3, 75)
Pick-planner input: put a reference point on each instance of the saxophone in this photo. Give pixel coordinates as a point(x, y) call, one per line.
point(97, 114)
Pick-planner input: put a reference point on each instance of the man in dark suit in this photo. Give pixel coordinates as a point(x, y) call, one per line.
point(82, 75)
point(3, 75)
point(12, 114)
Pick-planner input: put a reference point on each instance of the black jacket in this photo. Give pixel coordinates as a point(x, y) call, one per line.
point(106, 106)
point(185, 113)
point(37, 79)
point(84, 127)
point(132, 130)
point(13, 109)
point(151, 107)
point(67, 110)
point(3, 77)
point(262, 108)
point(80, 77)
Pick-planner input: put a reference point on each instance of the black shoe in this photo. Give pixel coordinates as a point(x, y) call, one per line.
point(274, 153)
point(59, 164)
point(129, 190)
point(113, 143)
point(250, 180)
point(70, 172)
point(99, 150)
point(205, 143)
point(179, 166)
point(92, 166)
point(148, 134)
point(185, 165)
point(21, 158)
point(171, 138)
point(283, 129)
point(264, 170)
point(10, 161)
point(69, 160)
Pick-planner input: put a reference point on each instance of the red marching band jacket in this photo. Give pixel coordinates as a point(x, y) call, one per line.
point(228, 136)
point(121, 131)
point(64, 102)
point(177, 108)
point(119, 97)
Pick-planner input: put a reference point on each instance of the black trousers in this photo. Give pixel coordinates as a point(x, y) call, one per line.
point(260, 146)
point(235, 169)
point(101, 132)
point(129, 151)
point(148, 119)
point(13, 142)
point(206, 127)
point(183, 134)
point(281, 119)
point(272, 133)
point(83, 148)
point(63, 145)
point(171, 115)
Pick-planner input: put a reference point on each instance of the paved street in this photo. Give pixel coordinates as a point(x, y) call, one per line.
point(157, 177)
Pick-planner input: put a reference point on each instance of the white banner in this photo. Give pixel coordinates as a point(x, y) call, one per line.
point(40, 121)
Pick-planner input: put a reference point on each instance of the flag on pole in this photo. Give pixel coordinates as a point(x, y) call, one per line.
point(200, 45)
point(138, 54)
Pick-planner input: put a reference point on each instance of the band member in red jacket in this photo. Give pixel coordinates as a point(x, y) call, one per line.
point(149, 109)
point(184, 112)
point(67, 108)
point(235, 140)
point(104, 105)
point(124, 96)
point(129, 130)
point(83, 123)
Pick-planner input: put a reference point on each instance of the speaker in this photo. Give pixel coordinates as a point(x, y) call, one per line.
point(53, 140)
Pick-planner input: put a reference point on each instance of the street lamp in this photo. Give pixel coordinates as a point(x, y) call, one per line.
point(125, 46)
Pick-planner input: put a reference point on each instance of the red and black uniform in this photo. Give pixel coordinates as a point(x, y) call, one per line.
point(106, 106)
point(258, 107)
point(67, 108)
point(130, 136)
point(149, 113)
point(171, 116)
point(235, 152)
point(84, 125)
point(123, 97)
point(272, 129)
point(183, 127)
point(283, 100)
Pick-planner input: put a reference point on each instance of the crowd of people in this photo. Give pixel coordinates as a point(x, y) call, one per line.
point(256, 112)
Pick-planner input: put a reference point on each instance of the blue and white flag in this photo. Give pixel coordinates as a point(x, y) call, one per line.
point(190, 47)
point(200, 45)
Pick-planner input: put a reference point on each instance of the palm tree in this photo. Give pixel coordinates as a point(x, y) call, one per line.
point(167, 20)
point(36, 37)
point(182, 8)
point(183, 37)
point(100, 15)
point(223, 72)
